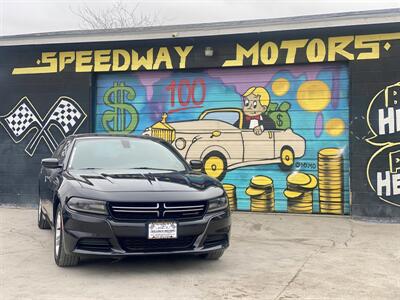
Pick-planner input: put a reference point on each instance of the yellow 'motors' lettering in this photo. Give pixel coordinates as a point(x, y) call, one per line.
point(83, 61)
point(102, 60)
point(371, 42)
point(120, 60)
point(316, 50)
point(163, 57)
point(337, 45)
point(269, 53)
point(241, 53)
point(64, 58)
point(183, 53)
point(142, 61)
point(292, 47)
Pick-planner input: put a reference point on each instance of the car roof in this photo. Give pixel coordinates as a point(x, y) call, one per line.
point(105, 135)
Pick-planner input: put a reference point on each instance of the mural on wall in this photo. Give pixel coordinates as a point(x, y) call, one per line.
point(66, 115)
point(383, 118)
point(276, 136)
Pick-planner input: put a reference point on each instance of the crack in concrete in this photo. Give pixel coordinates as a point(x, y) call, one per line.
point(352, 234)
point(317, 251)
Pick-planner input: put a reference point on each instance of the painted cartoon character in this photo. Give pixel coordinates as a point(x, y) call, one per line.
point(255, 103)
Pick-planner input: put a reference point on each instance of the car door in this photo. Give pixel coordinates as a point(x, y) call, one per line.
point(50, 179)
point(258, 147)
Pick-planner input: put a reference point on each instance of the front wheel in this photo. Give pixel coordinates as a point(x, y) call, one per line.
point(61, 258)
point(42, 222)
point(287, 158)
point(213, 255)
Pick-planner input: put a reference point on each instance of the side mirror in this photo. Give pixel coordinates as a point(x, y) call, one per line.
point(51, 163)
point(196, 164)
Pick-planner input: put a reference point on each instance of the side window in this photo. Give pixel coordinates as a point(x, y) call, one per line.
point(56, 153)
point(64, 150)
point(230, 117)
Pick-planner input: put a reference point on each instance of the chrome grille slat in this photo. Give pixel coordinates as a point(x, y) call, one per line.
point(178, 207)
point(137, 207)
point(183, 210)
point(136, 211)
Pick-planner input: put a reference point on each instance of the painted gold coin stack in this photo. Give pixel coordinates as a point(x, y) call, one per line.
point(261, 192)
point(299, 192)
point(230, 191)
point(330, 173)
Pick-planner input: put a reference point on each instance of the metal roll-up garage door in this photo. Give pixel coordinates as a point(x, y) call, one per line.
point(277, 137)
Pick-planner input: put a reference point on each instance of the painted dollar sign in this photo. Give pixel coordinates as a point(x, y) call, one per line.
point(123, 117)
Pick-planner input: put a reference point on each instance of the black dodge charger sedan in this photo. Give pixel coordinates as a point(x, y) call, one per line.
point(114, 195)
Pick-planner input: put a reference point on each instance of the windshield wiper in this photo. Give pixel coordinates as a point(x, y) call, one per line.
point(90, 168)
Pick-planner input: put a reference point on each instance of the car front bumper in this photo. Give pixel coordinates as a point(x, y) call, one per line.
point(89, 234)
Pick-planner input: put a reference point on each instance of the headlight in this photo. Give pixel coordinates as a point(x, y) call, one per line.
point(86, 205)
point(180, 143)
point(216, 204)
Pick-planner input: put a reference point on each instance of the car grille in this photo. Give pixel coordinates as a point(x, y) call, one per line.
point(148, 245)
point(158, 210)
point(165, 134)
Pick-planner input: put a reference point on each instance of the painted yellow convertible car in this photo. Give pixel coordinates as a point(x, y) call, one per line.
point(219, 140)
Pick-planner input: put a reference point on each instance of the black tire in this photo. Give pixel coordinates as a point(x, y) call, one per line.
point(219, 155)
point(42, 221)
point(61, 258)
point(213, 255)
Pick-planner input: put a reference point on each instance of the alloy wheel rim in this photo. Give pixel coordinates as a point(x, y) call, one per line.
point(58, 233)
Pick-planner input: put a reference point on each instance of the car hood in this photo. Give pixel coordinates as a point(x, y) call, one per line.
point(128, 181)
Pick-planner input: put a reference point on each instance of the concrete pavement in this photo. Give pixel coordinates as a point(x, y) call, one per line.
point(271, 257)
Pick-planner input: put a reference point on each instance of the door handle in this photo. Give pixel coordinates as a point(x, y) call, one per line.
point(215, 133)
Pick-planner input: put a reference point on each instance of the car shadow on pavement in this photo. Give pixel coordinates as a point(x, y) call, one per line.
point(147, 264)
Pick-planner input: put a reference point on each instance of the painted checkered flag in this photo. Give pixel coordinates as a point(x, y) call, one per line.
point(65, 114)
point(20, 120)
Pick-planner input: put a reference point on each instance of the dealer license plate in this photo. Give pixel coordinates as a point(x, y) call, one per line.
point(163, 230)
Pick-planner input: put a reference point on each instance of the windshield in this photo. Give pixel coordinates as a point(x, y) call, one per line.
point(231, 117)
point(123, 153)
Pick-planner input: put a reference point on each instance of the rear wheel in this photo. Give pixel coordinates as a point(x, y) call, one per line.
point(213, 255)
point(42, 222)
point(287, 158)
point(60, 256)
point(215, 165)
